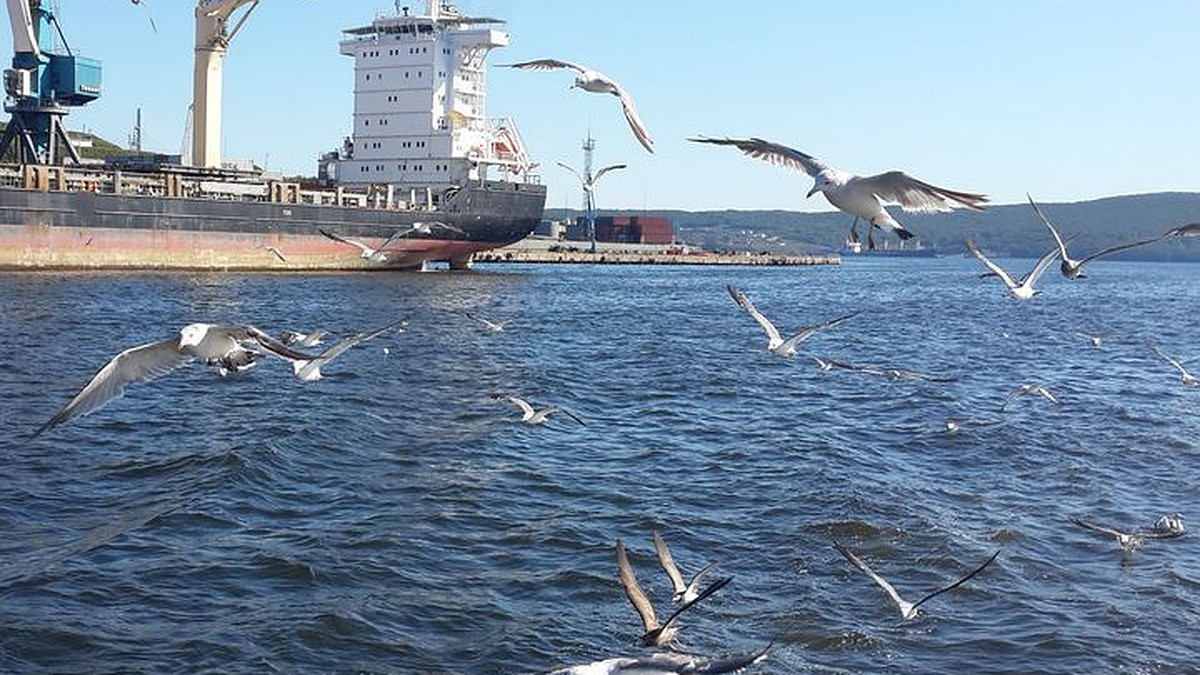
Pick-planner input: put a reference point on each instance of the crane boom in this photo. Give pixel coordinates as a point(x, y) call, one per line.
point(212, 42)
point(24, 39)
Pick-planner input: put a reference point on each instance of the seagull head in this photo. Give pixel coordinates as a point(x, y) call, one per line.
point(192, 334)
point(821, 181)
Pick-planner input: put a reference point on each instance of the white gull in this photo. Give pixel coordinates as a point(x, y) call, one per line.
point(1071, 268)
point(1023, 289)
point(598, 83)
point(656, 634)
point(775, 342)
point(683, 592)
point(861, 196)
point(908, 610)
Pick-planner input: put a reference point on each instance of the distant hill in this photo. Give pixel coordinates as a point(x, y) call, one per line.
point(1006, 230)
point(94, 147)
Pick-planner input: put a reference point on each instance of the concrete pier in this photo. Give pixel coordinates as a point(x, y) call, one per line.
point(533, 251)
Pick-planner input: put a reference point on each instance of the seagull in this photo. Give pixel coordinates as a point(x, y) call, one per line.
point(1170, 525)
point(375, 255)
point(1185, 376)
point(597, 83)
point(1028, 389)
point(278, 254)
point(1167, 527)
point(860, 196)
point(955, 425)
point(1022, 290)
point(1189, 230)
point(775, 342)
point(684, 592)
point(531, 416)
point(898, 373)
point(494, 326)
point(1073, 269)
point(1096, 340)
point(229, 347)
point(908, 610)
point(656, 635)
point(309, 370)
point(668, 663)
point(316, 337)
point(421, 227)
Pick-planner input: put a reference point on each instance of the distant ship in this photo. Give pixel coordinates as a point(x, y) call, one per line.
point(425, 175)
point(911, 248)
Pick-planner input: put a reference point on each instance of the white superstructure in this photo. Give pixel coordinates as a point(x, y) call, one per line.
point(420, 122)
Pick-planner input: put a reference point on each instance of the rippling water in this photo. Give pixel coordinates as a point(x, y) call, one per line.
point(392, 518)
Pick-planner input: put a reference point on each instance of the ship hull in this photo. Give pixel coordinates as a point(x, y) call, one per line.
point(97, 230)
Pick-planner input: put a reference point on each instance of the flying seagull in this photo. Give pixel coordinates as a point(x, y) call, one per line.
point(311, 339)
point(860, 196)
point(684, 592)
point(957, 424)
point(531, 416)
point(277, 253)
point(228, 347)
point(597, 83)
point(1185, 376)
point(1023, 289)
point(1167, 527)
point(1096, 340)
point(494, 326)
point(309, 370)
point(1029, 389)
point(657, 634)
point(908, 610)
point(1189, 230)
point(775, 342)
point(668, 663)
point(375, 255)
point(1071, 268)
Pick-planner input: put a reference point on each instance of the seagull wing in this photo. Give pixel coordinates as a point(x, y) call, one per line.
point(570, 414)
point(996, 269)
point(520, 403)
point(771, 152)
point(919, 196)
point(808, 331)
point(1119, 247)
point(957, 584)
point(1169, 359)
point(1102, 529)
point(601, 172)
point(633, 591)
point(242, 333)
point(883, 583)
point(1047, 395)
point(136, 364)
point(1062, 247)
point(1189, 230)
point(744, 302)
point(546, 64)
point(668, 563)
point(712, 588)
point(1040, 267)
point(635, 122)
point(367, 250)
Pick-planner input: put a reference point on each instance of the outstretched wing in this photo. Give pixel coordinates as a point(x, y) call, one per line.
point(637, 597)
point(1040, 267)
point(367, 250)
point(668, 563)
point(545, 64)
point(1062, 246)
point(1119, 247)
point(996, 269)
point(956, 584)
point(635, 122)
point(771, 152)
point(918, 196)
point(880, 581)
point(137, 364)
point(712, 588)
point(808, 331)
point(744, 302)
point(1102, 529)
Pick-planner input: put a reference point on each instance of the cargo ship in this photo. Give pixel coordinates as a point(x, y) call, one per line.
point(425, 175)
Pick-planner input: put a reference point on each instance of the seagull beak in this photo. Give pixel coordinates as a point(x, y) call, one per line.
point(812, 192)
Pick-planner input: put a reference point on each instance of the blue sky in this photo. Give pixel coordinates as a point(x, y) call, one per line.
point(1068, 100)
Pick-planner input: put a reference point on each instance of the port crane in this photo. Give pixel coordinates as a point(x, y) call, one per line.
point(213, 35)
point(41, 86)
